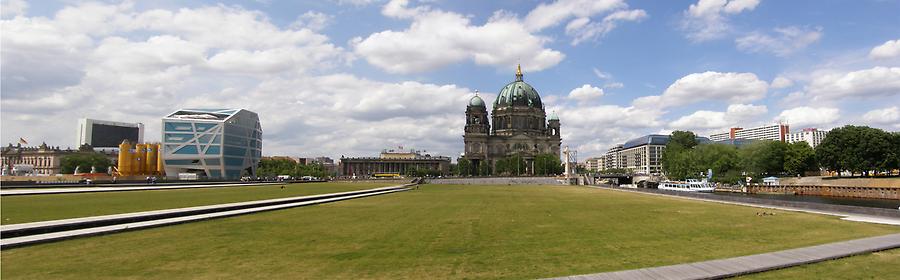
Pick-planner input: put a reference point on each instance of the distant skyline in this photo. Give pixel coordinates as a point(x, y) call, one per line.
point(352, 77)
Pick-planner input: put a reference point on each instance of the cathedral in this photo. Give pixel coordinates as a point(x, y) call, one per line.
point(520, 127)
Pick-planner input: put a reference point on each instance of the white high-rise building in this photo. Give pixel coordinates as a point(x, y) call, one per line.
point(776, 132)
point(812, 136)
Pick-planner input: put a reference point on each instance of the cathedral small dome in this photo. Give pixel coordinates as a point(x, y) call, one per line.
point(553, 116)
point(476, 102)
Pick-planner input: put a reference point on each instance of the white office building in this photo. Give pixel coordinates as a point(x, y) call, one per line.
point(595, 163)
point(776, 132)
point(811, 136)
point(611, 160)
point(212, 143)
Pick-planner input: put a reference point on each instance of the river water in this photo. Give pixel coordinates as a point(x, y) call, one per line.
point(865, 202)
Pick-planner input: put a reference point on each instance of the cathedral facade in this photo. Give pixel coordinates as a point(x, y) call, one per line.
point(517, 125)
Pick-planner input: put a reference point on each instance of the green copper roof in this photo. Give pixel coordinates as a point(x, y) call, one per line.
point(518, 93)
point(476, 102)
point(553, 116)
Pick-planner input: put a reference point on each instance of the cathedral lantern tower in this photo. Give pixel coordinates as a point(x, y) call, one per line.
point(477, 132)
point(477, 116)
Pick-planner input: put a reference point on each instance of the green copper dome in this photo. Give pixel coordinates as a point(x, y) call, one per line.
point(553, 116)
point(476, 102)
point(518, 93)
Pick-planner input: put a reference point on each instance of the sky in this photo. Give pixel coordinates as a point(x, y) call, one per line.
point(353, 77)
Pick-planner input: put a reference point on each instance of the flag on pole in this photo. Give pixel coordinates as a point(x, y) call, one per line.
point(22, 141)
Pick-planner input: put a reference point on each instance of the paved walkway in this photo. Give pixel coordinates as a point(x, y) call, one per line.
point(47, 231)
point(844, 215)
point(723, 268)
point(119, 189)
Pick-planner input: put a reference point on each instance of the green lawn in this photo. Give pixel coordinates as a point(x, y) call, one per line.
point(32, 208)
point(440, 231)
point(878, 265)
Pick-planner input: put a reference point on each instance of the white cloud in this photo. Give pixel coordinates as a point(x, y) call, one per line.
point(582, 29)
point(701, 119)
point(735, 114)
point(707, 19)
point(613, 85)
point(548, 15)
point(868, 83)
point(781, 82)
point(743, 112)
point(786, 41)
point(889, 49)
point(586, 93)
point(809, 116)
point(315, 21)
point(889, 115)
point(731, 87)
point(113, 62)
point(437, 38)
point(11, 8)
point(602, 75)
point(358, 3)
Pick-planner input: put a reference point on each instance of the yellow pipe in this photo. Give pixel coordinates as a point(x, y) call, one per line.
point(159, 160)
point(150, 163)
point(125, 158)
point(140, 156)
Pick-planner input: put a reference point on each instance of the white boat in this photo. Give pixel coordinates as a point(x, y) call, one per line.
point(692, 185)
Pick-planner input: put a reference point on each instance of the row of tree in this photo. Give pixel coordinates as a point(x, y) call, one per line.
point(860, 150)
point(514, 165)
point(269, 167)
point(857, 149)
point(84, 162)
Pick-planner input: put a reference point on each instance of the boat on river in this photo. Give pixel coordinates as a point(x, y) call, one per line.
point(691, 185)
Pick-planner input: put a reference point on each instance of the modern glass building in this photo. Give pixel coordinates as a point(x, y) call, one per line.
point(212, 143)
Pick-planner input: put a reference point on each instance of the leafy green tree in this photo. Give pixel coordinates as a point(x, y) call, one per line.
point(463, 167)
point(763, 158)
point(547, 164)
point(893, 156)
point(676, 160)
point(269, 167)
point(84, 162)
point(828, 153)
point(858, 149)
point(511, 165)
point(799, 158)
point(484, 169)
point(721, 159)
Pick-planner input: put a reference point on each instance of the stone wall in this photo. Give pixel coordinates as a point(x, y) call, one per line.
point(497, 181)
point(841, 191)
point(778, 203)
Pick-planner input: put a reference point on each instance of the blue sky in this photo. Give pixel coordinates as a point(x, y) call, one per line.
point(352, 77)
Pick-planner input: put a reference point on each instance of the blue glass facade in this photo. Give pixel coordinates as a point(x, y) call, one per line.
point(215, 143)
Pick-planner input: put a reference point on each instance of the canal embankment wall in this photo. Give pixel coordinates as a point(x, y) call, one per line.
point(835, 191)
point(884, 212)
point(497, 181)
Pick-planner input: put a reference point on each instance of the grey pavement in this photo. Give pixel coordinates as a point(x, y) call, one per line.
point(147, 219)
point(723, 268)
point(120, 189)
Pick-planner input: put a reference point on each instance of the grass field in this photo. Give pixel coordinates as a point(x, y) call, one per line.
point(32, 208)
point(440, 231)
point(878, 265)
